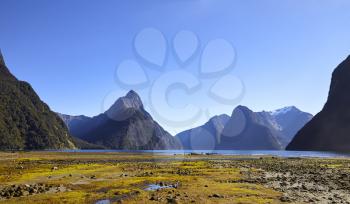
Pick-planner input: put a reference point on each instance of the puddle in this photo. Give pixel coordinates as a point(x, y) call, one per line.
point(154, 187)
point(103, 202)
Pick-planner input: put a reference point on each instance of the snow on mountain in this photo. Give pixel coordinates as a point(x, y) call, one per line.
point(283, 110)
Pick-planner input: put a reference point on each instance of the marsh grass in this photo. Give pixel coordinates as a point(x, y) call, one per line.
point(92, 177)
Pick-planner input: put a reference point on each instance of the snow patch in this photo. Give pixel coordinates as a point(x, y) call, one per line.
point(282, 110)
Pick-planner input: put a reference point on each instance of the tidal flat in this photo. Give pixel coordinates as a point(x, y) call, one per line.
point(102, 178)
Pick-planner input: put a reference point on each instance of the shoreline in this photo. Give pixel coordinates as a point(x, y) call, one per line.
point(243, 153)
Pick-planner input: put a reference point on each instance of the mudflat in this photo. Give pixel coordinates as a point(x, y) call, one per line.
point(61, 177)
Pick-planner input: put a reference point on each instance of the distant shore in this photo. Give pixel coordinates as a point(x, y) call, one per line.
point(277, 153)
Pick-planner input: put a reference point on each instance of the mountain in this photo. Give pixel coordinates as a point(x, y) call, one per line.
point(289, 120)
point(329, 130)
point(246, 129)
point(125, 125)
point(75, 124)
point(206, 136)
point(26, 122)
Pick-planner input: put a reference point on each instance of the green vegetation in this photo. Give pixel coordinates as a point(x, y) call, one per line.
point(92, 177)
point(25, 121)
point(123, 177)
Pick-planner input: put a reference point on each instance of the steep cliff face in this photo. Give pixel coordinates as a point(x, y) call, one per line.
point(329, 130)
point(126, 125)
point(25, 121)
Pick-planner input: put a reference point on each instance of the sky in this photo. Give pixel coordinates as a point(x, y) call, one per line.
point(188, 59)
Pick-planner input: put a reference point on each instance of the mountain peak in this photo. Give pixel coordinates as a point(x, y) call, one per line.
point(132, 94)
point(4, 72)
point(133, 98)
point(284, 110)
point(243, 109)
point(348, 58)
point(125, 106)
point(2, 61)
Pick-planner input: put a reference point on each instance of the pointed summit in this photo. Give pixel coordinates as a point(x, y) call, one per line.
point(125, 126)
point(2, 61)
point(132, 99)
point(4, 72)
point(242, 108)
point(125, 106)
point(348, 58)
point(132, 95)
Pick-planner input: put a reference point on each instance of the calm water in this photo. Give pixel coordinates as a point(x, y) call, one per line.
point(230, 152)
point(154, 187)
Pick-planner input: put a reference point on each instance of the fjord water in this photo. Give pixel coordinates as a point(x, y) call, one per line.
point(284, 154)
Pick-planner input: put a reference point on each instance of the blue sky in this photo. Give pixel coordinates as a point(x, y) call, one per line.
point(285, 52)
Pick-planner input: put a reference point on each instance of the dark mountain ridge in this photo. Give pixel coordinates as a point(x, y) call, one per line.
point(329, 130)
